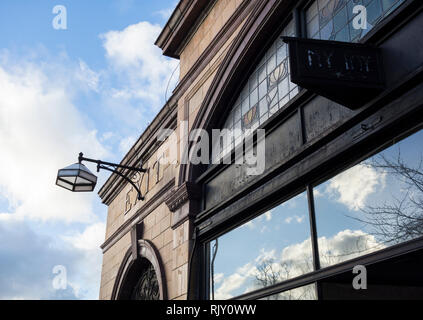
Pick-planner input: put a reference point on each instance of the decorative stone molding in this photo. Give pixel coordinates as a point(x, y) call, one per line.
point(184, 202)
point(136, 234)
point(129, 270)
point(187, 191)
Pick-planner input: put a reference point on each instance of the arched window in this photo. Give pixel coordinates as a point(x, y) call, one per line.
point(267, 90)
point(140, 276)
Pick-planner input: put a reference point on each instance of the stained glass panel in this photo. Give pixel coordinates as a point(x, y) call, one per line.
point(147, 287)
point(333, 19)
point(268, 89)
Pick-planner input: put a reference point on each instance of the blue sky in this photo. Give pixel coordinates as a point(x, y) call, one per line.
point(93, 87)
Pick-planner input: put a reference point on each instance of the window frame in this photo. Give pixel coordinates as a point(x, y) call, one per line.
point(322, 273)
point(375, 35)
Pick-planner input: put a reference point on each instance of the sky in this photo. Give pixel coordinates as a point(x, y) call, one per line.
point(92, 87)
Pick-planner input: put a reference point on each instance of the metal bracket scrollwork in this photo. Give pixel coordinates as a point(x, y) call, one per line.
point(112, 167)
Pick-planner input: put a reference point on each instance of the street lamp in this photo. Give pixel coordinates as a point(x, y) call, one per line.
point(78, 178)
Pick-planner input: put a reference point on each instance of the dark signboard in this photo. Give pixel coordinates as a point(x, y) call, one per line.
point(348, 73)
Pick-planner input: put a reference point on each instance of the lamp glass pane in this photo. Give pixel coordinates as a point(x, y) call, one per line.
point(84, 188)
point(80, 180)
point(64, 184)
point(67, 173)
point(88, 176)
point(69, 179)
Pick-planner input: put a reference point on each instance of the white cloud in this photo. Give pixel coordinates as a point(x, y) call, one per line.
point(218, 277)
point(265, 255)
point(144, 70)
point(40, 131)
point(126, 144)
point(317, 193)
point(231, 283)
point(107, 135)
point(355, 185)
point(241, 277)
point(87, 76)
point(268, 215)
point(165, 13)
point(28, 259)
point(250, 224)
point(346, 244)
point(253, 223)
point(298, 219)
point(90, 239)
point(87, 243)
point(296, 259)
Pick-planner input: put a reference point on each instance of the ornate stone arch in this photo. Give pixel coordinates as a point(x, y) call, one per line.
point(260, 30)
point(132, 268)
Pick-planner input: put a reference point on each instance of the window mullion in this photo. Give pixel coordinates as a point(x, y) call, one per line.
point(313, 235)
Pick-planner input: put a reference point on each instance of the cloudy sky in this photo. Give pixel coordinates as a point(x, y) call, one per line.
point(93, 87)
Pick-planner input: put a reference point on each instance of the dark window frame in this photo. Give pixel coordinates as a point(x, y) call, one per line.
point(373, 36)
point(321, 273)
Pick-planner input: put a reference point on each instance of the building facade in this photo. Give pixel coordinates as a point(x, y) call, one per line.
point(326, 202)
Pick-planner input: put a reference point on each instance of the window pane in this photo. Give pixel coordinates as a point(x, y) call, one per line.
point(269, 249)
point(373, 205)
point(301, 293)
point(260, 98)
point(333, 19)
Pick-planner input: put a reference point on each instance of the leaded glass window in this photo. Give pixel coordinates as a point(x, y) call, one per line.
point(268, 89)
point(147, 287)
point(333, 19)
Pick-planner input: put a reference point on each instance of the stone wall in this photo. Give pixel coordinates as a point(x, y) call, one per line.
point(171, 240)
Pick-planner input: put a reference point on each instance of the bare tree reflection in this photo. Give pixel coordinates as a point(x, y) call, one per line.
point(270, 272)
point(400, 218)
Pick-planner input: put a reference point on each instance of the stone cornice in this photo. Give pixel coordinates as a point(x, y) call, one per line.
point(180, 195)
point(240, 14)
point(180, 25)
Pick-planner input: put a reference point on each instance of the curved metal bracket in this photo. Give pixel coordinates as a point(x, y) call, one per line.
point(103, 164)
point(140, 197)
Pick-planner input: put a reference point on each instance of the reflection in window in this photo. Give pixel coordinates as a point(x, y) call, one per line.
point(268, 89)
point(333, 19)
point(301, 293)
point(373, 205)
point(267, 250)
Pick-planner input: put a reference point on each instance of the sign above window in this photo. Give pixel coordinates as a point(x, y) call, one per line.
point(348, 73)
